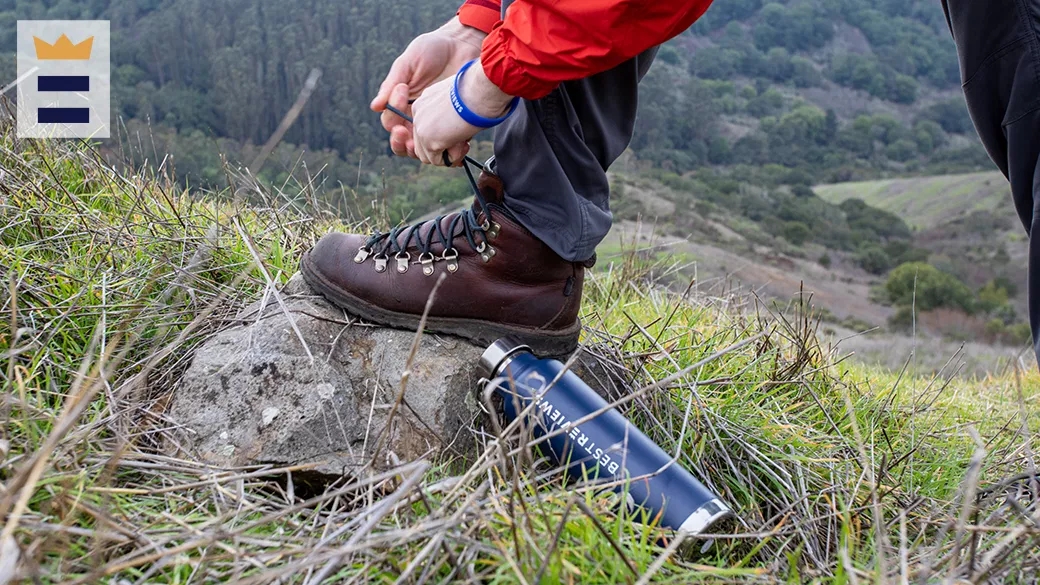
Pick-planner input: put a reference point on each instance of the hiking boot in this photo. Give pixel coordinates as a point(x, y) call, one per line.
point(498, 278)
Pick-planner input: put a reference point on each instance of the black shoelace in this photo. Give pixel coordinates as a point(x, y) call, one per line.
point(383, 245)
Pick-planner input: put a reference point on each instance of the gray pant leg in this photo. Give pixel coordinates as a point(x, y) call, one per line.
point(998, 44)
point(553, 153)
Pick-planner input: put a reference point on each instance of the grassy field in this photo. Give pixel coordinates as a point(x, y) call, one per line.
point(840, 474)
point(926, 202)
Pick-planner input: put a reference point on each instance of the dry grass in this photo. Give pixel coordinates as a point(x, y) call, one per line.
point(840, 474)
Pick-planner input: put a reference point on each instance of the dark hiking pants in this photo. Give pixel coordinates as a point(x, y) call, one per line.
point(553, 154)
point(998, 43)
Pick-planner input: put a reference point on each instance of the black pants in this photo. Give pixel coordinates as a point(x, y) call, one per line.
point(553, 155)
point(998, 43)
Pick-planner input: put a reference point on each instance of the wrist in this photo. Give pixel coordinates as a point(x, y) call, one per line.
point(462, 33)
point(481, 95)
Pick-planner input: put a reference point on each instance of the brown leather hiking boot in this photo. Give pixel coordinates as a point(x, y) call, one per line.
point(499, 279)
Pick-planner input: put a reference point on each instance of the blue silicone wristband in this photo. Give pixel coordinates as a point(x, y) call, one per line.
point(471, 117)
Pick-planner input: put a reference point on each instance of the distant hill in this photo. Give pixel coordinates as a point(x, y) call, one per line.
point(967, 222)
point(845, 90)
point(928, 202)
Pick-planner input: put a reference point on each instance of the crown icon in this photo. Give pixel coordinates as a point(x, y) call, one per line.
point(63, 49)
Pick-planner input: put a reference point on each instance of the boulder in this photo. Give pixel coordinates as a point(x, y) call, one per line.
point(257, 394)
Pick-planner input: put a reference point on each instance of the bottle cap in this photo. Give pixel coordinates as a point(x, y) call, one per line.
point(704, 517)
point(497, 357)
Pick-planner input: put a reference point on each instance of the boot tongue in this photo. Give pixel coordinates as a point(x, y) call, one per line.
point(491, 188)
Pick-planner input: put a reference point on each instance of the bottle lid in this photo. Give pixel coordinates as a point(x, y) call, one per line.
point(497, 357)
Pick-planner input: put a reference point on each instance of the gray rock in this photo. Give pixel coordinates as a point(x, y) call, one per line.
point(253, 396)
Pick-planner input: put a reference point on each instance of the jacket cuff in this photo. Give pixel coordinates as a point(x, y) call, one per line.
point(504, 67)
point(480, 14)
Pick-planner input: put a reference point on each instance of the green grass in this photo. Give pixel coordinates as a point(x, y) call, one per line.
point(840, 474)
point(926, 202)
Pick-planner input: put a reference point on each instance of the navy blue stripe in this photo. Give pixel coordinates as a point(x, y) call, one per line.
point(64, 115)
point(64, 83)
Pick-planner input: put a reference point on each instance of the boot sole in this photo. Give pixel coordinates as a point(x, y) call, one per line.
point(542, 343)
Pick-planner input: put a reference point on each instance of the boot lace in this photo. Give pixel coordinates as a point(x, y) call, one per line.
point(382, 246)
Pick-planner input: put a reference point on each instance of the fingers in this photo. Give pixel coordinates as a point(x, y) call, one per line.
point(457, 153)
point(401, 142)
point(400, 73)
point(399, 100)
point(451, 157)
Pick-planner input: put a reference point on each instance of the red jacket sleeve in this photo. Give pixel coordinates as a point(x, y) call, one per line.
point(481, 14)
point(542, 43)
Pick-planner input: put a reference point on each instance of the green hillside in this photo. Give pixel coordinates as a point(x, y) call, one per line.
point(835, 89)
point(966, 222)
point(928, 202)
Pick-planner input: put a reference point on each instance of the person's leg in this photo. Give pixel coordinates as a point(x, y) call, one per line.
point(998, 44)
point(553, 154)
point(514, 264)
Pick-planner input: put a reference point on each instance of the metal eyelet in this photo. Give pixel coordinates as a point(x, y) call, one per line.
point(362, 255)
point(488, 254)
point(380, 261)
point(486, 225)
point(402, 261)
point(493, 232)
point(452, 261)
point(483, 246)
point(427, 263)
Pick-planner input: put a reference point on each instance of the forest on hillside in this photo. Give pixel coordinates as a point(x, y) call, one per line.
point(201, 78)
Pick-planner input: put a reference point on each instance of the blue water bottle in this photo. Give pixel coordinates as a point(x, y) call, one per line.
point(604, 446)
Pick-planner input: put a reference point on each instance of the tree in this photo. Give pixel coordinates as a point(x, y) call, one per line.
point(901, 150)
point(874, 259)
point(951, 115)
point(796, 232)
point(926, 287)
point(769, 103)
point(804, 73)
point(902, 89)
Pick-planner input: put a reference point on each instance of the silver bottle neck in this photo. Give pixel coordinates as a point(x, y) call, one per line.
point(497, 357)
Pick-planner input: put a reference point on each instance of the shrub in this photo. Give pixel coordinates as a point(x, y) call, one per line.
point(901, 150)
point(796, 232)
point(874, 259)
point(1020, 333)
point(928, 288)
point(992, 297)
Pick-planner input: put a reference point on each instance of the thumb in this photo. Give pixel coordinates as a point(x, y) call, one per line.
point(457, 153)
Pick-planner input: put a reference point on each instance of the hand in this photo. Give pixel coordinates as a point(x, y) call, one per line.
point(439, 128)
point(428, 59)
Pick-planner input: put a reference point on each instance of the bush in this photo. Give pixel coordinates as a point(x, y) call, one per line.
point(668, 55)
point(992, 297)
point(719, 151)
point(802, 191)
point(824, 260)
point(769, 103)
point(874, 259)
point(901, 150)
point(928, 288)
point(804, 73)
point(796, 232)
point(902, 89)
point(1020, 333)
